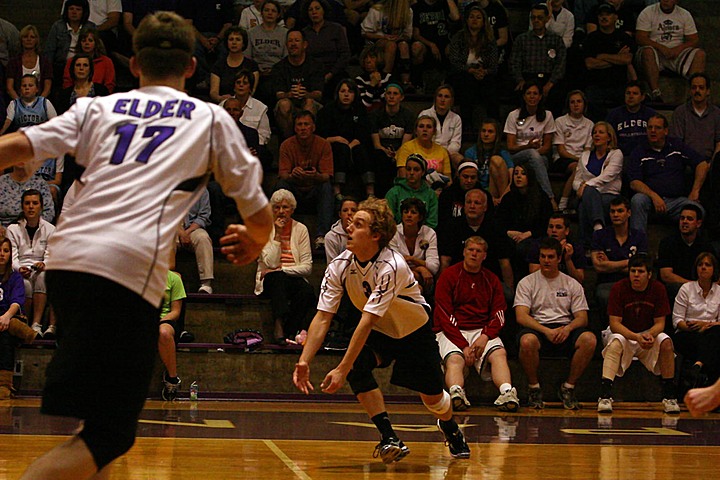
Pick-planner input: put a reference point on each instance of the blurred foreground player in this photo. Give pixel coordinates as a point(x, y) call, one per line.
point(395, 326)
point(147, 156)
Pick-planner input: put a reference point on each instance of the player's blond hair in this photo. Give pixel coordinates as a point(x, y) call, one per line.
point(163, 44)
point(383, 219)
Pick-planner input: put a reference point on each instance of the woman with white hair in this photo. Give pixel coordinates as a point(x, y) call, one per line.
point(284, 265)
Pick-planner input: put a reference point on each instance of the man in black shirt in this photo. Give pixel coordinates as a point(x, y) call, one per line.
point(677, 252)
point(298, 82)
point(475, 221)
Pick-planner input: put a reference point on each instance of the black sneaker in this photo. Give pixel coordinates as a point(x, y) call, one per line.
point(170, 390)
point(456, 443)
point(390, 450)
point(186, 337)
point(567, 395)
point(535, 398)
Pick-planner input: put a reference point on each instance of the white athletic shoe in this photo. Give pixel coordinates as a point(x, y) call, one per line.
point(605, 405)
point(670, 405)
point(460, 402)
point(508, 401)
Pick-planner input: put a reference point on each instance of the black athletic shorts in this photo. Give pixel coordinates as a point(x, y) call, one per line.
point(417, 359)
point(549, 349)
point(103, 365)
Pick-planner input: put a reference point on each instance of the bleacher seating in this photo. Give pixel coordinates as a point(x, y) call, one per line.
point(227, 370)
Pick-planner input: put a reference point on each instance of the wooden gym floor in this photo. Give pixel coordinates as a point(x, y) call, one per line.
point(331, 441)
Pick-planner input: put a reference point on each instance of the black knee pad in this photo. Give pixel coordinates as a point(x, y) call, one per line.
point(107, 442)
point(360, 378)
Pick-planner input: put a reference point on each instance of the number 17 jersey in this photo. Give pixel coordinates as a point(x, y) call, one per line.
point(147, 155)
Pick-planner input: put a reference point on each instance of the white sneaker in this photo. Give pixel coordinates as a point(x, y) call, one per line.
point(205, 289)
point(460, 402)
point(670, 405)
point(38, 328)
point(508, 401)
point(605, 405)
point(49, 334)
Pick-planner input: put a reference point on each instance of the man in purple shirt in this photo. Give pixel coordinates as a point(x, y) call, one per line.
point(656, 171)
point(612, 247)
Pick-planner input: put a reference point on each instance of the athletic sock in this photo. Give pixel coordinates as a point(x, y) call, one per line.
point(505, 387)
point(449, 426)
point(173, 380)
point(534, 385)
point(382, 422)
point(606, 388)
point(668, 388)
point(567, 385)
point(563, 203)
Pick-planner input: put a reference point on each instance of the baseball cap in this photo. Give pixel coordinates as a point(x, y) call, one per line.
point(607, 8)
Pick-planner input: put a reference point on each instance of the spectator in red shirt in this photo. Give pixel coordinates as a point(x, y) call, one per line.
point(469, 314)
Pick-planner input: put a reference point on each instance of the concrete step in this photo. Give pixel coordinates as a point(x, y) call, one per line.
point(268, 374)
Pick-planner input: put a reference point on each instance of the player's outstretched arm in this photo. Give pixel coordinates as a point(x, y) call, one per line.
point(14, 148)
point(243, 243)
point(316, 335)
point(702, 400)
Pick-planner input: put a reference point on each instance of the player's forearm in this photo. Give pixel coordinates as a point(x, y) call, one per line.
point(668, 276)
point(14, 148)
point(616, 326)
point(579, 320)
point(700, 173)
point(316, 336)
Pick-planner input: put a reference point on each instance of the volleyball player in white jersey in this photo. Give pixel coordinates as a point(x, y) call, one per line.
point(395, 326)
point(147, 156)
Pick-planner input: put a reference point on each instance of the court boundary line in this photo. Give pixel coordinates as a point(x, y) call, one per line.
point(299, 472)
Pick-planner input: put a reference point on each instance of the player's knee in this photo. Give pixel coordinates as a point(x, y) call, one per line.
point(614, 347)
point(361, 381)
point(454, 360)
point(497, 356)
point(360, 378)
point(439, 407)
point(667, 346)
point(587, 341)
point(529, 343)
point(647, 54)
point(107, 442)
point(284, 106)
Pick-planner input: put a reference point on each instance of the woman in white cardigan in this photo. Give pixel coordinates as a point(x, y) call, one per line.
point(448, 133)
point(29, 255)
point(417, 243)
point(284, 265)
point(598, 179)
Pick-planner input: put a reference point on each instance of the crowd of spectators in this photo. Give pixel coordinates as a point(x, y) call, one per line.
point(581, 80)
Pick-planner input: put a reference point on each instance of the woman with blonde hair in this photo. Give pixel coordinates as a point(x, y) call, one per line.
point(598, 179)
point(438, 169)
point(29, 61)
point(390, 25)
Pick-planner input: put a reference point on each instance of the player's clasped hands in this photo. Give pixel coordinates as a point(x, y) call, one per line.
point(646, 341)
point(238, 246)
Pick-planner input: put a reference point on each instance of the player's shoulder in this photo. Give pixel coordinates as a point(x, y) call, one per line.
point(390, 257)
point(341, 262)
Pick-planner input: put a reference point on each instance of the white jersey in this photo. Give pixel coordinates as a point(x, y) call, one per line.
point(147, 155)
point(385, 287)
